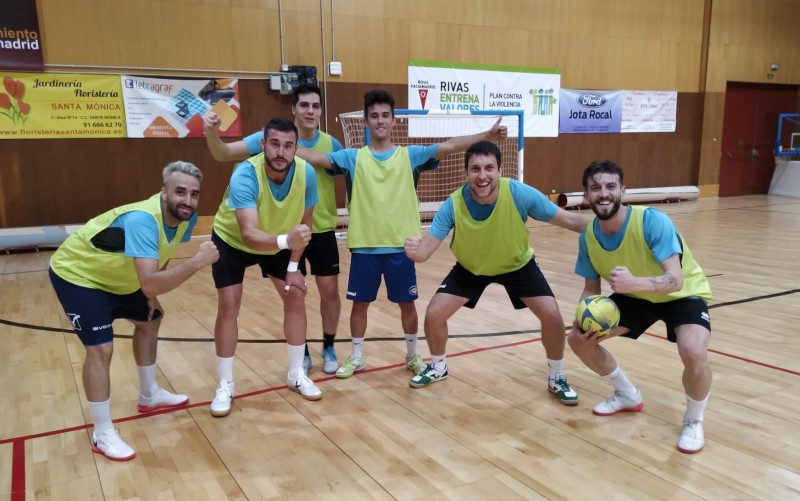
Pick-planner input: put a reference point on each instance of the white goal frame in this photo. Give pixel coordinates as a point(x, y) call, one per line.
point(428, 127)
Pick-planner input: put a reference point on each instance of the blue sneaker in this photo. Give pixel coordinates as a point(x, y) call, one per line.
point(330, 364)
point(307, 365)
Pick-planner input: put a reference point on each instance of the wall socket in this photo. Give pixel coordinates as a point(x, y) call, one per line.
point(335, 68)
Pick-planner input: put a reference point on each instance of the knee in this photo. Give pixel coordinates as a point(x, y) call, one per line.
point(435, 316)
point(100, 353)
point(695, 360)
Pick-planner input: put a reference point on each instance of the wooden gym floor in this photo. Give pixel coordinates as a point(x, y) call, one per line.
point(491, 430)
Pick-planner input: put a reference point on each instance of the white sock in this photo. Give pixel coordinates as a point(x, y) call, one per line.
point(101, 416)
point(225, 369)
point(358, 347)
point(296, 354)
point(695, 408)
point(620, 382)
point(147, 380)
point(555, 367)
point(439, 362)
point(411, 344)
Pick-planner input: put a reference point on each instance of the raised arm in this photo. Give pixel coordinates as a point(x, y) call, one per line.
point(461, 143)
point(220, 150)
point(258, 240)
point(315, 158)
point(571, 220)
point(154, 281)
point(623, 281)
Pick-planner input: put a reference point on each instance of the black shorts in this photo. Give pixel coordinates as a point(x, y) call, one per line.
point(93, 311)
point(527, 281)
point(323, 254)
point(638, 315)
point(229, 268)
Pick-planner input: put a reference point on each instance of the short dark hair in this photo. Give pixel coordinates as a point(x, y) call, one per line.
point(601, 167)
point(482, 148)
point(281, 125)
point(374, 97)
point(305, 88)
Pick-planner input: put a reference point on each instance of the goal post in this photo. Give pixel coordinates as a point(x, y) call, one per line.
point(425, 127)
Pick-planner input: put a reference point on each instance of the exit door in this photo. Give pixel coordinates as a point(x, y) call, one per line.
point(748, 135)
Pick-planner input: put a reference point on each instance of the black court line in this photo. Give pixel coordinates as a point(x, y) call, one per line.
point(452, 336)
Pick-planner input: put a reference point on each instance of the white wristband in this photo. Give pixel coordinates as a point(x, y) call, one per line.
point(292, 266)
point(283, 241)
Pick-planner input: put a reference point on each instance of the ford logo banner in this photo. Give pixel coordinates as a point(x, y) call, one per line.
point(591, 100)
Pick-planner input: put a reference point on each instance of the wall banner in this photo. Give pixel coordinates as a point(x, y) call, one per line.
point(445, 86)
point(162, 107)
point(51, 105)
point(649, 111)
point(20, 43)
point(586, 111)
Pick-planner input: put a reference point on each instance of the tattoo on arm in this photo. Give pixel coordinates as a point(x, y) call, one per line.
point(667, 281)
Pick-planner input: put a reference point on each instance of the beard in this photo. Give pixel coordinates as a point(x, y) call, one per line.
point(175, 212)
point(604, 214)
point(276, 169)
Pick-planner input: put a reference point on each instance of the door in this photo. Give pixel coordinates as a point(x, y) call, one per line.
point(748, 135)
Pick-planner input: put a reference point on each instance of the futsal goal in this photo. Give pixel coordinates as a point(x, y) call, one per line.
point(424, 127)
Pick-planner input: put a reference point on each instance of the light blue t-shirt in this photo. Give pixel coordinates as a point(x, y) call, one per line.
point(244, 187)
point(253, 142)
point(659, 233)
point(529, 201)
point(141, 233)
point(423, 158)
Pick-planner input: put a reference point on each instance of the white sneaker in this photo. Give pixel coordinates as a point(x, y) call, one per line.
point(618, 402)
point(221, 405)
point(330, 364)
point(111, 445)
point(304, 386)
point(161, 400)
point(691, 439)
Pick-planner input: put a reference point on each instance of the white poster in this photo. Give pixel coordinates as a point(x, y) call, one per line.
point(649, 111)
point(164, 107)
point(444, 86)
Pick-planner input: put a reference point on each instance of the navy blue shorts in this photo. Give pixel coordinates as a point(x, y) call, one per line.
point(230, 267)
point(92, 311)
point(638, 315)
point(527, 281)
point(365, 277)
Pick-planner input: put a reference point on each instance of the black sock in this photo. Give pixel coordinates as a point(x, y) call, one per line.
point(307, 353)
point(327, 340)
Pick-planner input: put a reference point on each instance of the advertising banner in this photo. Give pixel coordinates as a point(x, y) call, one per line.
point(51, 105)
point(20, 43)
point(585, 111)
point(445, 86)
point(164, 108)
point(649, 111)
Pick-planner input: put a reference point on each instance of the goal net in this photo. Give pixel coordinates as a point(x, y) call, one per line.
point(423, 128)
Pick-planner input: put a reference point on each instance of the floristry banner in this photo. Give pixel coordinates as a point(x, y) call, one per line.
point(167, 107)
point(50, 105)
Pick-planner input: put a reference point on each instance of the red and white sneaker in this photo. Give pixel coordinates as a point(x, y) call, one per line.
point(111, 445)
point(161, 400)
point(619, 402)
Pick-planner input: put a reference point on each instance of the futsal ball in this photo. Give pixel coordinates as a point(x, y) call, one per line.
point(597, 314)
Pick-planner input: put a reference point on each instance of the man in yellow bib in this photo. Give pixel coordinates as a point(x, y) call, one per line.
point(264, 219)
point(115, 267)
point(322, 252)
point(384, 208)
point(653, 276)
point(491, 244)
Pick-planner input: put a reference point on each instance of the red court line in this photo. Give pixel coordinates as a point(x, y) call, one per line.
point(18, 461)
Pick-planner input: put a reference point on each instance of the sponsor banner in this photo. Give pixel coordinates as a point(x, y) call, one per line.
point(162, 107)
point(649, 111)
point(51, 105)
point(20, 43)
point(445, 86)
point(586, 111)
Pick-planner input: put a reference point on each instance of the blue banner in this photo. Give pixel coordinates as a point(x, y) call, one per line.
point(590, 112)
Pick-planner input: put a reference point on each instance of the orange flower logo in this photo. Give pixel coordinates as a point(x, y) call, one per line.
point(11, 103)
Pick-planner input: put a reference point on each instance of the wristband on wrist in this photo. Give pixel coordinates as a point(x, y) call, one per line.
point(292, 266)
point(283, 241)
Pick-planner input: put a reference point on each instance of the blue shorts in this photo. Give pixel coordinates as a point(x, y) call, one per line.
point(92, 311)
point(365, 277)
